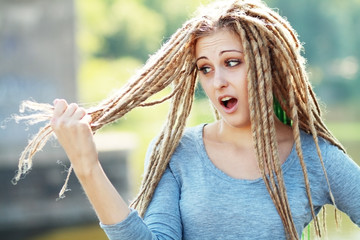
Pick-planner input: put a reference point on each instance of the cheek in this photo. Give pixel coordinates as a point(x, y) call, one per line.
point(204, 86)
point(208, 91)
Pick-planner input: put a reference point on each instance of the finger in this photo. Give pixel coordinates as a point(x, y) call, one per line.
point(60, 105)
point(70, 110)
point(79, 113)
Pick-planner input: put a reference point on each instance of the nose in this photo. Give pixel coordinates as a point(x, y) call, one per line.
point(220, 79)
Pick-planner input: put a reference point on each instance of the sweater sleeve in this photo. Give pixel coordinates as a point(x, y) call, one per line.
point(162, 218)
point(132, 227)
point(163, 213)
point(344, 178)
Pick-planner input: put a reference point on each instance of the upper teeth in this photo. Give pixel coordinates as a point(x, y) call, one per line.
point(225, 99)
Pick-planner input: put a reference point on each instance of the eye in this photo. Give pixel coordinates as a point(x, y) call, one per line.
point(232, 62)
point(205, 69)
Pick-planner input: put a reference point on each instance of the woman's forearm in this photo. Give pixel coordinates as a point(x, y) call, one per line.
point(105, 199)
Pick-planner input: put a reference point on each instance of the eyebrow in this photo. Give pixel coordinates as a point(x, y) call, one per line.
point(220, 53)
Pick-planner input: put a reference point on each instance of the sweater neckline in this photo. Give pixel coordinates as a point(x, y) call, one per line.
point(215, 170)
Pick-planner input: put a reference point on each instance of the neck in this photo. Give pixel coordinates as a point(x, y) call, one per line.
point(221, 132)
point(238, 136)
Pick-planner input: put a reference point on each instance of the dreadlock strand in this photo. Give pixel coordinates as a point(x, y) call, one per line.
point(301, 103)
point(255, 113)
point(265, 87)
point(175, 123)
point(296, 134)
point(283, 29)
point(152, 65)
point(259, 87)
point(35, 145)
point(315, 220)
point(143, 90)
point(311, 126)
point(313, 97)
point(149, 182)
point(180, 86)
point(161, 100)
point(284, 50)
point(325, 133)
point(164, 134)
point(268, 88)
point(315, 138)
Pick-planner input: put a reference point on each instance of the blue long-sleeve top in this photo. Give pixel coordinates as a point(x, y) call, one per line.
point(196, 200)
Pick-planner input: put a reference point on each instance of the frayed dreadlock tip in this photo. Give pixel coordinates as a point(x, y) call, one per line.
point(62, 194)
point(14, 181)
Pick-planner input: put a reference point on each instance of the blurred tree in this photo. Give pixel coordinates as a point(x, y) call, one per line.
point(113, 29)
point(175, 12)
point(328, 29)
point(136, 32)
point(117, 36)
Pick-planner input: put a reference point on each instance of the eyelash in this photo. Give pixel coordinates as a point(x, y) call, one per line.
point(202, 69)
point(227, 64)
point(237, 61)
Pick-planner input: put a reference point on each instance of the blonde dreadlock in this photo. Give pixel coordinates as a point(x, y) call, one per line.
point(276, 70)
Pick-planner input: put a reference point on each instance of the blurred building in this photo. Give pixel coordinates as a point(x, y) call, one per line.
point(38, 62)
point(37, 59)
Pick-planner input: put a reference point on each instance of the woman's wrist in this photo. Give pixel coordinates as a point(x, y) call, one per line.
point(108, 204)
point(88, 170)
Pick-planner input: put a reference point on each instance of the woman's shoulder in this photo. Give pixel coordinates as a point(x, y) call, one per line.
point(193, 133)
point(308, 140)
point(188, 155)
point(191, 140)
point(189, 145)
point(330, 153)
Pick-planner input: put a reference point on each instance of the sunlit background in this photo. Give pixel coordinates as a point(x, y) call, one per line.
point(83, 50)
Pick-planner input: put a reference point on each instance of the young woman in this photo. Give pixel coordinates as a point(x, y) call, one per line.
point(247, 175)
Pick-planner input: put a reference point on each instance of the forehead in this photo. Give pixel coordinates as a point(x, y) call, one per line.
point(216, 42)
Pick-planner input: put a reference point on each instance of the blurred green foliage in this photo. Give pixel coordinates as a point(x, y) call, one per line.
point(123, 33)
point(115, 37)
point(330, 32)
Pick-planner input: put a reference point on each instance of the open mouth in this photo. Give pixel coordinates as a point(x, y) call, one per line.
point(228, 102)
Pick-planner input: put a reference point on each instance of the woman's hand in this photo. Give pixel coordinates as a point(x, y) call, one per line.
point(70, 124)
